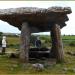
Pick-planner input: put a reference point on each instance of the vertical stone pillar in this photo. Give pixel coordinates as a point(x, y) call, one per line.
point(25, 42)
point(57, 46)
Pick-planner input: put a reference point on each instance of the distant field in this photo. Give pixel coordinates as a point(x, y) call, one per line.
point(66, 39)
point(13, 40)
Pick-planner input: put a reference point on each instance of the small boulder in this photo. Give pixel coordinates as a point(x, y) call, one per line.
point(11, 68)
point(38, 66)
point(13, 55)
point(73, 69)
point(71, 53)
point(15, 65)
point(65, 69)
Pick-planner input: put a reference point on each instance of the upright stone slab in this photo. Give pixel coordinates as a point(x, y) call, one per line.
point(57, 46)
point(25, 40)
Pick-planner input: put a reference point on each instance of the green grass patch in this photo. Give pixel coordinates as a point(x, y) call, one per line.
point(14, 66)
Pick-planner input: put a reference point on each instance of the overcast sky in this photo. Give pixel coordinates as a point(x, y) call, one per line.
point(69, 29)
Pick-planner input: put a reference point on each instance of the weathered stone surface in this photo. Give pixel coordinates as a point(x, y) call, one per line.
point(38, 18)
point(38, 66)
point(34, 10)
point(25, 42)
point(57, 46)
